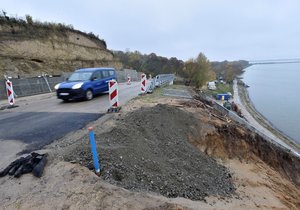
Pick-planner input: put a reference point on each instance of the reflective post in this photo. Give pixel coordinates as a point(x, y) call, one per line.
point(94, 150)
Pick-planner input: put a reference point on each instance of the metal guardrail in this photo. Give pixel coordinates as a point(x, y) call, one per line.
point(159, 81)
point(31, 86)
point(227, 113)
point(238, 119)
point(164, 79)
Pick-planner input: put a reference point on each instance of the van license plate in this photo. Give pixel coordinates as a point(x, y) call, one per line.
point(64, 94)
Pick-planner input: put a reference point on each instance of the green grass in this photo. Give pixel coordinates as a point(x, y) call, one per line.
point(176, 87)
point(221, 88)
point(153, 97)
point(158, 93)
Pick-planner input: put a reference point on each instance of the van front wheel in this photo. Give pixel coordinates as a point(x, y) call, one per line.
point(88, 95)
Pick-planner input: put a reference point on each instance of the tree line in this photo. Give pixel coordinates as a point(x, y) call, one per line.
point(197, 70)
point(150, 64)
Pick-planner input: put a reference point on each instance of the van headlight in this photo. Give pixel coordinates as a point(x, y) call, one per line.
point(56, 86)
point(77, 86)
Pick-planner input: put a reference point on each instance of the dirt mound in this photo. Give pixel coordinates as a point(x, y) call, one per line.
point(148, 150)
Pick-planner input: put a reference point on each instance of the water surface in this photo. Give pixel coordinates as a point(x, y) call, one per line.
point(275, 92)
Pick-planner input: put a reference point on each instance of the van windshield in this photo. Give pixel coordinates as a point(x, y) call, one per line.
point(80, 76)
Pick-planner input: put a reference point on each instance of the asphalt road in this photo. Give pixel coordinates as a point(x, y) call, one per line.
point(40, 120)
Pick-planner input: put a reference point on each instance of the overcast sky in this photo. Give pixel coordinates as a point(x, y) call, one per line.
point(221, 29)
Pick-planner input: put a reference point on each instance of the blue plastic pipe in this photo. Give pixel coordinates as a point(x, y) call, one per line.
point(94, 150)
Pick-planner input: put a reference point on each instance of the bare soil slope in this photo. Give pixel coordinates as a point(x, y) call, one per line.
point(154, 140)
point(40, 48)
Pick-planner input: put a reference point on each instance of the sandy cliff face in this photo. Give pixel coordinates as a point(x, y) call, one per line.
point(28, 49)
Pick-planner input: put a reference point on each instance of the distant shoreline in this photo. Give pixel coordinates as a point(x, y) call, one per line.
point(248, 104)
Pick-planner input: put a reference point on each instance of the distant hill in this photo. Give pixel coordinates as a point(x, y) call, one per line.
point(28, 47)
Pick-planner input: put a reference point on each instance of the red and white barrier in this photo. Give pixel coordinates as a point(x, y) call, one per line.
point(10, 92)
point(143, 83)
point(128, 80)
point(113, 93)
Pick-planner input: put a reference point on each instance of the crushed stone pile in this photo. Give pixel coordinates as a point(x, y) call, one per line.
point(148, 150)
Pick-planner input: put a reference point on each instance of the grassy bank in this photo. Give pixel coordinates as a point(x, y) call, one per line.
point(221, 88)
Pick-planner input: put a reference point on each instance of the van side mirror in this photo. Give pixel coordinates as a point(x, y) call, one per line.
point(93, 78)
point(67, 79)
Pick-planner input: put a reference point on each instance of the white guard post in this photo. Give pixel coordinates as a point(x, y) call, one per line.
point(128, 79)
point(113, 96)
point(143, 84)
point(10, 92)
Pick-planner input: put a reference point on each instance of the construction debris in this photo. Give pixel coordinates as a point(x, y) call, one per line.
point(114, 109)
point(34, 163)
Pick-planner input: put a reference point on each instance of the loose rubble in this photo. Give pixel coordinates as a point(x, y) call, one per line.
point(148, 150)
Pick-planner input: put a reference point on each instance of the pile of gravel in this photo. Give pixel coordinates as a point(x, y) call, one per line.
point(148, 151)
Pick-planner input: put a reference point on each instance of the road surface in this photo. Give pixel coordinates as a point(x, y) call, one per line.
point(42, 119)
